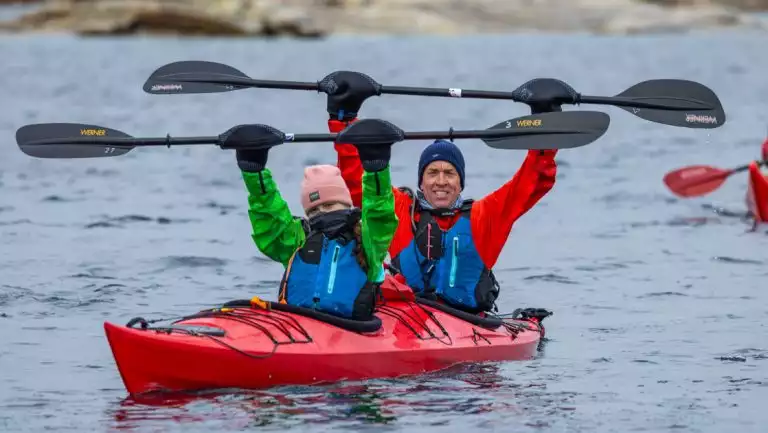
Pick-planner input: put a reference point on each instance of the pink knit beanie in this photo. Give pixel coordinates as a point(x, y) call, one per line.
point(323, 184)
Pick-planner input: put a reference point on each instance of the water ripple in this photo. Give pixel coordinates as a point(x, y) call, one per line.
point(734, 260)
point(661, 294)
point(121, 221)
point(174, 262)
point(554, 278)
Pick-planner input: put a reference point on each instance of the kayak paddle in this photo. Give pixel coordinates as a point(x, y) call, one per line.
point(558, 130)
point(673, 102)
point(697, 180)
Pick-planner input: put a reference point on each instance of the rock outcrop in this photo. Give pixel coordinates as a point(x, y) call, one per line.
point(749, 5)
point(314, 18)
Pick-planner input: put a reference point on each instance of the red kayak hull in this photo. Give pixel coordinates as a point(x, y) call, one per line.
point(757, 193)
point(247, 357)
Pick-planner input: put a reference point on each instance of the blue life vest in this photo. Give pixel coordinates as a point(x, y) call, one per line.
point(324, 274)
point(446, 264)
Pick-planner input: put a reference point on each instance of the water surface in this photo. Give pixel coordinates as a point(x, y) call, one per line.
point(659, 303)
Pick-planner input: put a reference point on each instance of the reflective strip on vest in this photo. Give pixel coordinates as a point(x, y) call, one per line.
point(334, 262)
point(454, 261)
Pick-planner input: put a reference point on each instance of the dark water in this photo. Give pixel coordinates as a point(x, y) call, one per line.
point(660, 303)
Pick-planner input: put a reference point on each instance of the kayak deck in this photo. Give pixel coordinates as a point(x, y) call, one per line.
point(255, 348)
point(757, 194)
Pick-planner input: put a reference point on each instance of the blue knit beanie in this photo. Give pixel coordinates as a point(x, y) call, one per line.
point(442, 150)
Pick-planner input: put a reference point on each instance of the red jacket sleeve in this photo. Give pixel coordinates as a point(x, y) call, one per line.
point(404, 232)
point(494, 215)
point(349, 163)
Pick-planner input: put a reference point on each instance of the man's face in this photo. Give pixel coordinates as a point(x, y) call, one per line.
point(440, 184)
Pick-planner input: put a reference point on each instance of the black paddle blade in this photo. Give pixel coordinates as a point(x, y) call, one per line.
point(71, 140)
point(255, 136)
point(194, 76)
point(688, 103)
point(371, 132)
point(556, 130)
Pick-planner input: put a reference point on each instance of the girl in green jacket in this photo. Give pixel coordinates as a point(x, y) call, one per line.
point(334, 265)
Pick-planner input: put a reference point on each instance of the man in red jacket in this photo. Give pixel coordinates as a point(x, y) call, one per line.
point(445, 245)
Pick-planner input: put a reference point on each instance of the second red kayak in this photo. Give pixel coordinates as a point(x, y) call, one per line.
point(757, 189)
point(256, 345)
point(757, 193)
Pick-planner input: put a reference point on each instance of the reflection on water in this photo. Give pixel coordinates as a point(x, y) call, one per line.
point(465, 389)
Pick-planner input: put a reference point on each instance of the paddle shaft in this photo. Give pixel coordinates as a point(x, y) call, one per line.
point(487, 94)
point(746, 167)
point(298, 138)
point(393, 90)
point(440, 92)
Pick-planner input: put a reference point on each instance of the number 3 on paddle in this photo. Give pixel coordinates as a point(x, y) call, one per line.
point(509, 124)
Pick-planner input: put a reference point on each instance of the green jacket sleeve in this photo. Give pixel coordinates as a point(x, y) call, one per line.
point(379, 221)
point(276, 232)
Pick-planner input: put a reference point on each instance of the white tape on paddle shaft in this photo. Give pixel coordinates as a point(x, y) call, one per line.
point(289, 136)
point(456, 93)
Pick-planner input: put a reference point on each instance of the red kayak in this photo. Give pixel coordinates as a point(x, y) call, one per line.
point(252, 344)
point(757, 193)
point(757, 190)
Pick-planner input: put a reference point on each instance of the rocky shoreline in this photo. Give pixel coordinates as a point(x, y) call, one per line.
point(318, 18)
